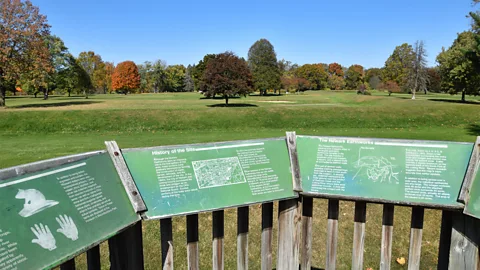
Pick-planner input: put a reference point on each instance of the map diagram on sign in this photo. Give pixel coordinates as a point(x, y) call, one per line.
point(218, 172)
point(376, 169)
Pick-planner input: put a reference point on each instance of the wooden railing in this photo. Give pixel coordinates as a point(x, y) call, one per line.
point(458, 249)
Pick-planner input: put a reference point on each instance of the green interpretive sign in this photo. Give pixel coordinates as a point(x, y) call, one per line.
point(177, 180)
point(407, 172)
point(472, 206)
point(52, 215)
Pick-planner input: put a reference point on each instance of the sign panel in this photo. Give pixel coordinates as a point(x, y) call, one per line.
point(51, 215)
point(472, 206)
point(409, 172)
point(175, 180)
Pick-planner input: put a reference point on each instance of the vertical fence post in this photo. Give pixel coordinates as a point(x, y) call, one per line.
point(359, 235)
point(242, 237)
point(387, 237)
point(218, 233)
point(445, 240)
point(68, 265)
point(465, 242)
point(93, 258)
point(126, 249)
point(289, 233)
point(290, 215)
point(332, 234)
point(192, 242)
point(267, 235)
point(307, 224)
point(416, 231)
point(166, 236)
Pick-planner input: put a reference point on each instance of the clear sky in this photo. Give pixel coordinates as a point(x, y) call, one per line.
point(182, 32)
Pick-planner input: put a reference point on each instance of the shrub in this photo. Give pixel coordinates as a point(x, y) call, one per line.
point(391, 87)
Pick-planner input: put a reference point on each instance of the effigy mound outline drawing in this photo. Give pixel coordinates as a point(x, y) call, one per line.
point(376, 169)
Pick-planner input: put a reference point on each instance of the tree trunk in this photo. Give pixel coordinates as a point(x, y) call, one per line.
point(2, 96)
point(226, 100)
point(463, 96)
point(69, 92)
point(45, 94)
point(35, 94)
point(85, 92)
point(14, 92)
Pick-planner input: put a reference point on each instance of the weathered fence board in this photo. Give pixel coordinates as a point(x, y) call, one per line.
point(465, 242)
point(166, 236)
point(125, 176)
point(267, 235)
point(294, 164)
point(416, 232)
point(93, 258)
point(387, 237)
point(242, 237)
point(126, 249)
point(289, 233)
point(445, 240)
point(359, 235)
point(332, 234)
point(68, 265)
point(218, 232)
point(193, 253)
point(307, 224)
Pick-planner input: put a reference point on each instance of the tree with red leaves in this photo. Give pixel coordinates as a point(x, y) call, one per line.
point(125, 77)
point(228, 75)
point(335, 69)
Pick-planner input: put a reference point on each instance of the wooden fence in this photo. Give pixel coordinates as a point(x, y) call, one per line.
point(459, 239)
point(458, 248)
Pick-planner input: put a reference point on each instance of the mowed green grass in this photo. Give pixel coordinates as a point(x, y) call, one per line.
point(34, 129)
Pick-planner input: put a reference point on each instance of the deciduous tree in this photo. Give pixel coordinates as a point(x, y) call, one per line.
point(457, 70)
point(336, 82)
point(398, 65)
point(354, 77)
point(199, 70)
point(315, 74)
point(226, 75)
point(262, 61)
point(22, 42)
point(109, 68)
point(434, 83)
point(125, 77)
point(175, 76)
point(335, 69)
point(92, 63)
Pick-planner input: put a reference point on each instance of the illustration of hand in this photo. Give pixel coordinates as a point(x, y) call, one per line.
point(44, 237)
point(68, 228)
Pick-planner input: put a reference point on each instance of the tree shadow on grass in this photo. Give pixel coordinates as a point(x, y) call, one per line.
point(234, 105)
point(217, 98)
point(474, 129)
point(470, 102)
point(57, 104)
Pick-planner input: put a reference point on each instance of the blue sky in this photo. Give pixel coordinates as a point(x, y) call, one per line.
point(182, 32)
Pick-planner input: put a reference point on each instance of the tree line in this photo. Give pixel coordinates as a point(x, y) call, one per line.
point(36, 62)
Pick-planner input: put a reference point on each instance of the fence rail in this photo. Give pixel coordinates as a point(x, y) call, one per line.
point(459, 239)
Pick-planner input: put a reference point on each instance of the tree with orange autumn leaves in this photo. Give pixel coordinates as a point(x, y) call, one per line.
point(23, 33)
point(125, 77)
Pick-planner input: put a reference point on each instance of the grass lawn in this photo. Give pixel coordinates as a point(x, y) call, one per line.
point(34, 129)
